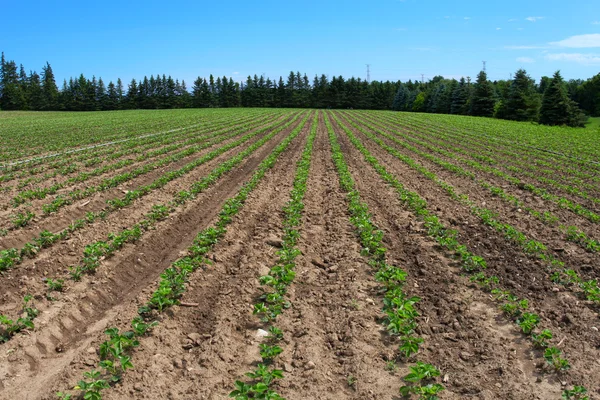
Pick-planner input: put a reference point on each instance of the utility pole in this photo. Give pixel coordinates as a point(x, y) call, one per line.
point(484, 66)
point(368, 73)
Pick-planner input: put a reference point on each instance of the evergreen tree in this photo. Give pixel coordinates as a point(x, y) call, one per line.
point(557, 108)
point(460, 97)
point(120, 94)
point(132, 95)
point(49, 88)
point(522, 102)
point(401, 98)
point(13, 97)
point(482, 98)
point(35, 98)
point(112, 98)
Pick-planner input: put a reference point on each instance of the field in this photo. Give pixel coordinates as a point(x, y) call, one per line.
point(305, 254)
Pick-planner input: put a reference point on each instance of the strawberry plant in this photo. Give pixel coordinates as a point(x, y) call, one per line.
point(554, 358)
point(577, 393)
point(419, 382)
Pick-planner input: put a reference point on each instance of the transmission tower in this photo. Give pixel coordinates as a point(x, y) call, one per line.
point(368, 73)
point(484, 66)
point(422, 78)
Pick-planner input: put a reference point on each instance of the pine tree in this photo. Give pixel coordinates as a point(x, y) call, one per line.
point(112, 98)
point(49, 88)
point(557, 108)
point(401, 98)
point(13, 97)
point(460, 97)
point(522, 102)
point(120, 94)
point(482, 98)
point(35, 98)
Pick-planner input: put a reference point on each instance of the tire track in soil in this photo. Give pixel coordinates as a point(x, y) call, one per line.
point(58, 221)
point(561, 311)
point(483, 355)
point(222, 324)
point(54, 261)
point(331, 331)
point(96, 304)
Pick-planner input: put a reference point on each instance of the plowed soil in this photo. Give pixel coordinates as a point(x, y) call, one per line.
point(335, 342)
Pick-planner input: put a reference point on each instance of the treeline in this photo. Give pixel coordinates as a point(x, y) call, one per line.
point(551, 101)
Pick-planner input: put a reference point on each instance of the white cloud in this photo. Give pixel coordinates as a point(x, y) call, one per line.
point(584, 59)
point(519, 29)
point(236, 73)
point(467, 18)
point(524, 47)
point(498, 29)
point(525, 60)
point(533, 19)
point(596, 23)
point(512, 20)
point(580, 41)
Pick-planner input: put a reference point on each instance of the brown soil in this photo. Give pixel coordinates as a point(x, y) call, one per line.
point(335, 345)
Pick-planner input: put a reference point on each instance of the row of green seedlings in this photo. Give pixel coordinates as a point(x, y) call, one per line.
point(61, 201)
point(275, 284)
point(9, 327)
point(68, 164)
point(400, 310)
point(12, 257)
point(572, 233)
point(94, 253)
point(41, 193)
point(41, 164)
point(473, 264)
point(114, 181)
point(547, 164)
point(192, 137)
point(115, 353)
point(540, 192)
point(561, 274)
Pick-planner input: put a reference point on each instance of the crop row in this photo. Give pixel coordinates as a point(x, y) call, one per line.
point(42, 132)
point(572, 146)
point(11, 257)
point(572, 233)
point(118, 179)
point(273, 300)
point(116, 352)
point(67, 165)
point(400, 310)
point(218, 137)
point(528, 163)
point(513, 307)
point(534, 248)
point(487, 166)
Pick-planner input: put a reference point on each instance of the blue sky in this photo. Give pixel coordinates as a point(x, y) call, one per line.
point(401, 39)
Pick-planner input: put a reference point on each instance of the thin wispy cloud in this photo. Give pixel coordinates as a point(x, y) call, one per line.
point(498, 29)
point(512, 20)
point(533, 19)
point(525, 60)
point(520, 29)
point(525, 47)
point(583, 59)
point(400, 29)
point(596, 23)
point(467, 18)
point(579, 41)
